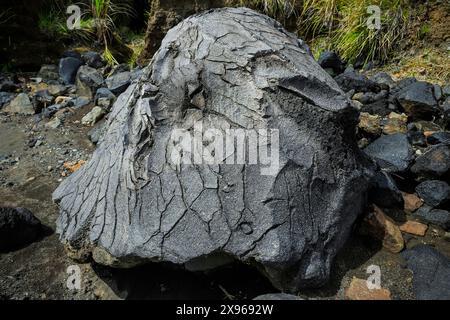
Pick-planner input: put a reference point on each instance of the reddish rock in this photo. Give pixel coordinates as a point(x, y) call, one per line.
point(414, 227)
point(358, 290)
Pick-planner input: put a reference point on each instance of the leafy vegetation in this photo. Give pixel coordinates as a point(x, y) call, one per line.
point(344, 23)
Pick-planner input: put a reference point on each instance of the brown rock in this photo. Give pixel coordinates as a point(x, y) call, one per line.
point(370, 123)
point(358, 290)
point(396, 123)
point(412, 202)
point(384, 228)
point(414, 227)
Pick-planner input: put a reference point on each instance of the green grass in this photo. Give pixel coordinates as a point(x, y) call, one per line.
point(278, 9)
point(344, 23)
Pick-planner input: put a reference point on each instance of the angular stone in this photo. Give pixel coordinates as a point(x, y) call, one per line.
point(95, 115)
point(68, 68)
point(88, 81)
point(418, 100)
point(414, 227)
point(353, 80)
point(412, 202)
point(437, 217)
point(434, 192)
point(385, 229)
point(118, 83)
point(330, 60)
point(131, 203)
point(93, 60)
point(359, 290)
point(392, 152)
point(434, 163)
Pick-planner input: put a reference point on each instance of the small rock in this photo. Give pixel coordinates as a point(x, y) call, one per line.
point(431, 271)
point(54, 123)
point(68, 68)
point(396, 123)
point(18, 227)
point(414, 227)
point(118, 83)
point(437, 217)
point(412, 202)
point(393, 152)
point(330, 60)
point(93, 117)
point(359, 290)
point(383, 79)
point(434, 192)
point(434, 163)
point(418, 100)
point(384, 228)
point(353, 80)
point(57, 90)
point(79, 102)
point(20, 105)
point(370, 123)
point(88, 80)
point(93, 60)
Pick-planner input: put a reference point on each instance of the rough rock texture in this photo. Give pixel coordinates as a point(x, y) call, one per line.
point(431, 272)
point(166, 14)
point(229, 68)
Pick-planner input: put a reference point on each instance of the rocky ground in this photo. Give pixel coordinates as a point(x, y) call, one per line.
point(51, 121)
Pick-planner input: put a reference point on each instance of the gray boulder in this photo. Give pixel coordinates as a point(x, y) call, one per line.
point(431, 269)
point(224, 69)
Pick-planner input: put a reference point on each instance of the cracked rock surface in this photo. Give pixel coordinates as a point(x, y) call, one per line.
point(230, 69)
